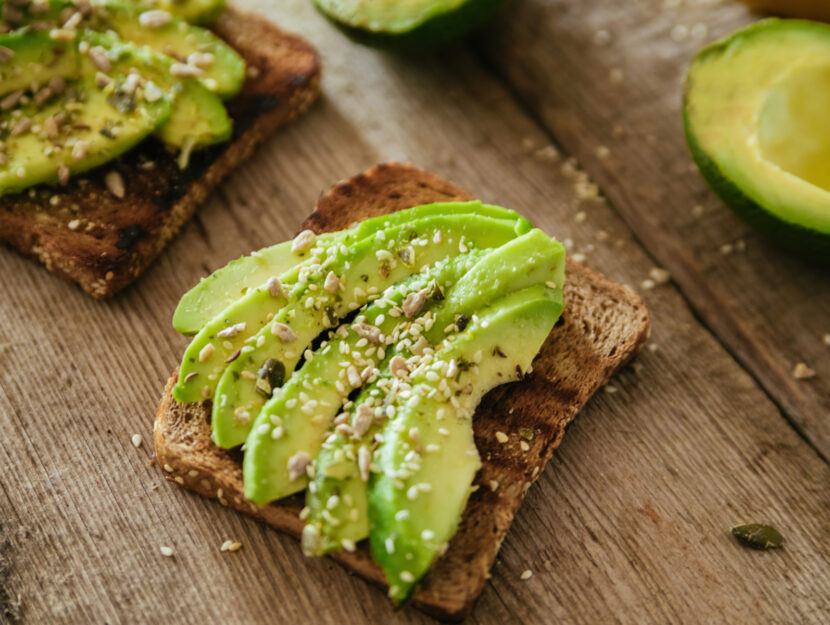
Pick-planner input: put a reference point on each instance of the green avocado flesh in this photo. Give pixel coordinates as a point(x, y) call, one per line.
point(350, 364)
point(407, 25)
point(220, 68)
point(368, 265)
point(224, 286)
point(755, 112)
point(414, 508)
point(81, 127)
point(37, 59)
point(80, 85)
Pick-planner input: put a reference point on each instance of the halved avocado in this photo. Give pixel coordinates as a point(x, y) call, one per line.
point(756, 117)
point(407, 25)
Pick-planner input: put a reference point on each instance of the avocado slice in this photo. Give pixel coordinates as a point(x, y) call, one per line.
point(526, 261)
point(360, 272)
point(225, 285)
point(197, 117)
point(86, 127)
point(303, 409)
point(216, 65)
point(414, 509)
point(411, 26)
point(755, 108)
point(35, 58)
point(231, 330)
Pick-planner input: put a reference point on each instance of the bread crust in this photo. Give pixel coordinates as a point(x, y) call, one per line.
point(86, 235)
point(603, 326)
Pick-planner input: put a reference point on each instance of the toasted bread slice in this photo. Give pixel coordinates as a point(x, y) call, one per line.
point(602, 328)
point(87, 235)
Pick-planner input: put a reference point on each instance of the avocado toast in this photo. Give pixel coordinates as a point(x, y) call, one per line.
point(105, 227)
point(516, 427)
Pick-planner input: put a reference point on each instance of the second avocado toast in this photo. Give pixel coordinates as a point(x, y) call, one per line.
point(401, 428)
point(110, 74)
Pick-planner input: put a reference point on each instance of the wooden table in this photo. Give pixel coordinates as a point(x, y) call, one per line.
point(629, 523)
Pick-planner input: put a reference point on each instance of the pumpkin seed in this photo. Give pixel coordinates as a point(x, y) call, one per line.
point(758, 536)
point(270, 376)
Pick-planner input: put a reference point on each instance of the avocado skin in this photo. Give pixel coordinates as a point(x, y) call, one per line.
point(808, 244)
point(796, 238)
point(435, 33)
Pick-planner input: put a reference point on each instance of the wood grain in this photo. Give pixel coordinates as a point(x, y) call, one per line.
point(605, 79)
point(628, 523)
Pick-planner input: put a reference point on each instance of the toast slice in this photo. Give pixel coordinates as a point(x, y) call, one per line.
point(602, 328)
point(85, 234)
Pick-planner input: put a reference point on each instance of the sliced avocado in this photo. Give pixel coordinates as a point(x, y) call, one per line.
point(86, 127)
point(427, 459)
point(225, 285)
point(412, 26)
point(204, 359)
point(302, 410)
point(529, 260)
point(194, 11)
point(33, 57)
point(197, 118)
point(359, 272)
point(196, 50)
point(755, 112)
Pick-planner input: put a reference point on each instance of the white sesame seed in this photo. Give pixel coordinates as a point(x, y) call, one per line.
point(303, 242)
point(167, 552)
point(407, 577)
point(206, 352)
point(136, 440)
point(154, 18)
point(183, 70)
point(526, 574)
point(802, 372)
point(502, 437)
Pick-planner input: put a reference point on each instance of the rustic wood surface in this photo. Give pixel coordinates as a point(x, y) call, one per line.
point(629, 523)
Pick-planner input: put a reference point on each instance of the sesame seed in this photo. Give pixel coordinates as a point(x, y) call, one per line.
point(802, 372)
point(206, 352)
point(99, 57)
point(167, 552)
point(154, 18)
point(184, 70)
point(602, 37)
point(231, 545)
point(660, 276)
point(526, 574)
point(502, 437)
point(79, 150)
point(407, 577)
point(580, 217)
point(136, 440)
point(303, 242)
point(74, 224)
